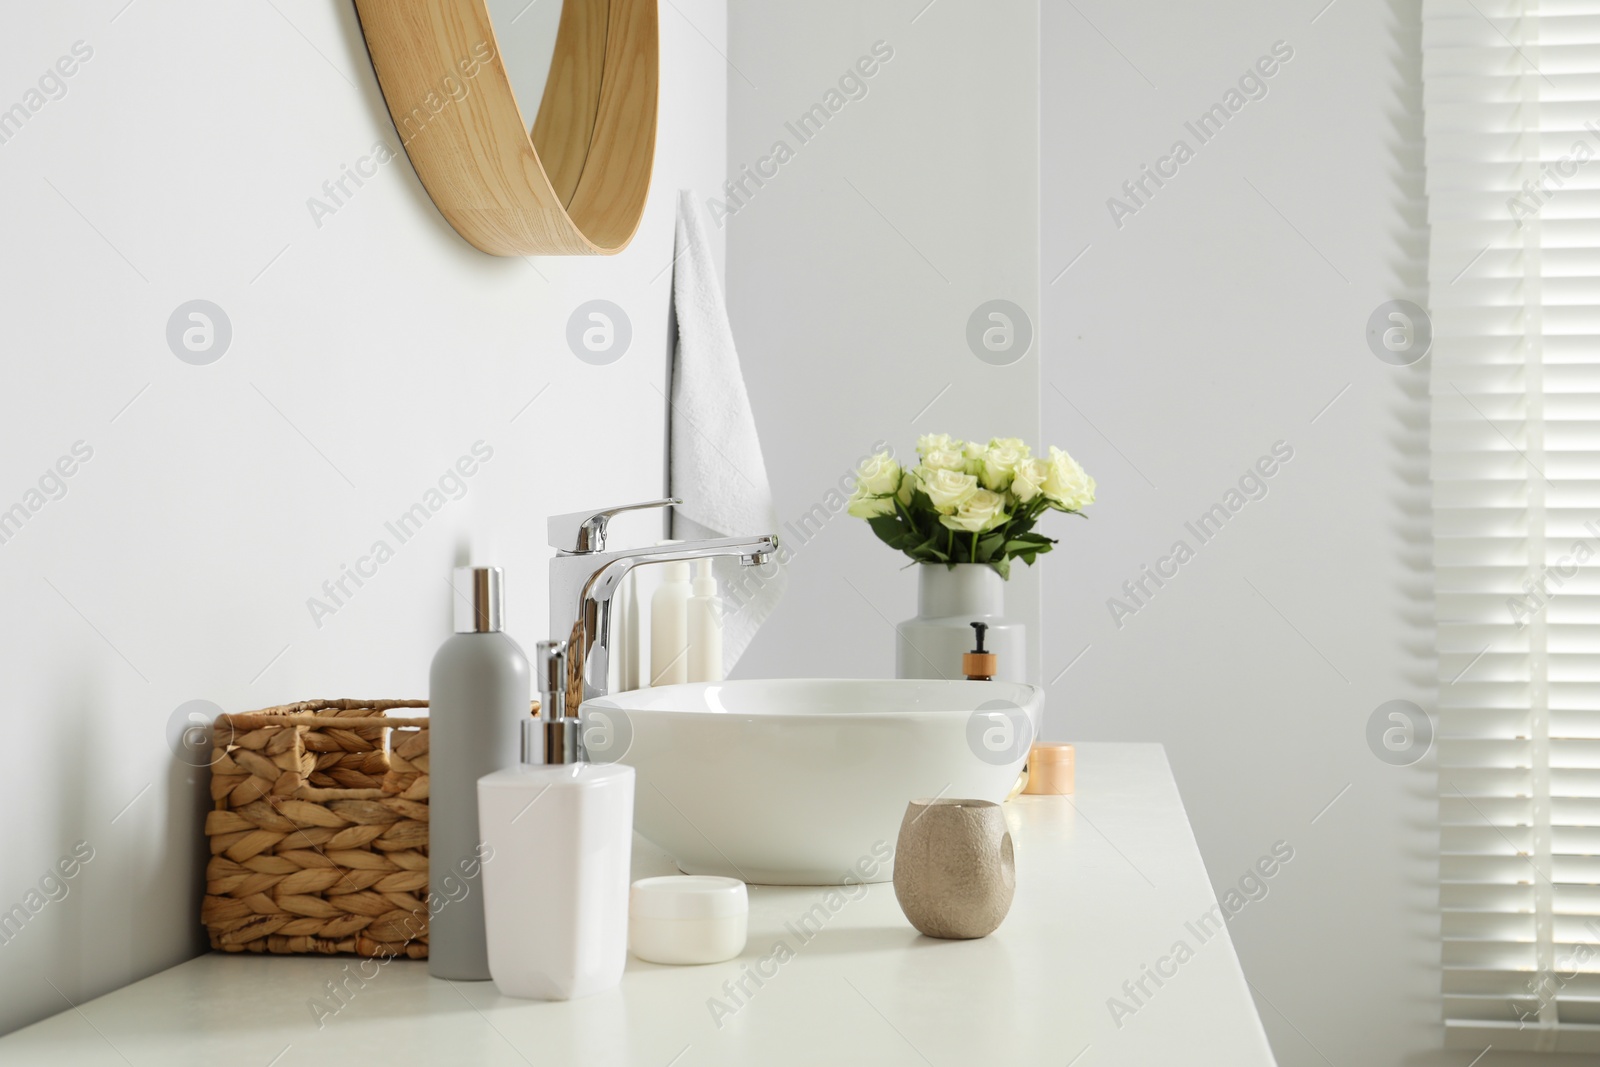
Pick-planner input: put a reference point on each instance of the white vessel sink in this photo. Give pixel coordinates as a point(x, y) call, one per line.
point(804, 781)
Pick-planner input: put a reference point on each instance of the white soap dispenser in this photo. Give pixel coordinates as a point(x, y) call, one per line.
point(669, 626)
point(705, 626)
point(559, 837)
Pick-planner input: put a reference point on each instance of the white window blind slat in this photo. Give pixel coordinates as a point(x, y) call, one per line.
point(1511, 98)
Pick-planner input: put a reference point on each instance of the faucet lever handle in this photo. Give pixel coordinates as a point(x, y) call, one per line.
point(585, 531)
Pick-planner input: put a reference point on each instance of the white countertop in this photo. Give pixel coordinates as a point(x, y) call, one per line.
point(1108, 882)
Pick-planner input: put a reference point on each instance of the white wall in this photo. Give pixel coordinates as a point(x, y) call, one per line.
point(854, 271)
point(1222, 317)
point(367, 355)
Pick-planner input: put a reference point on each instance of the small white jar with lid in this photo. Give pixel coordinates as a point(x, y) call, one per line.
point(687, 919)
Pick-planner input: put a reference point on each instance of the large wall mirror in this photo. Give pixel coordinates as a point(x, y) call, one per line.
point(531, 123)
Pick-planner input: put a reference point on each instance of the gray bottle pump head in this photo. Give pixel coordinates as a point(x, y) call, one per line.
point(479, 600)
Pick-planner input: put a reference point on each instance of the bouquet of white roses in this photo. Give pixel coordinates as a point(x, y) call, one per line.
point(966, 502)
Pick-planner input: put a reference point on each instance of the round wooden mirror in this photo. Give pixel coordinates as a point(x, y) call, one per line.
point(572, 181)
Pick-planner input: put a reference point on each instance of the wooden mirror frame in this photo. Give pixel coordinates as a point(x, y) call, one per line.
point(446, 87)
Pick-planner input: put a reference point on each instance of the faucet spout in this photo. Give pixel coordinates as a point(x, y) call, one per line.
point(583, 584)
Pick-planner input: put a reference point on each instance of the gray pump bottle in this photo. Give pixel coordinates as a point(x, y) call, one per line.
point(479, 695)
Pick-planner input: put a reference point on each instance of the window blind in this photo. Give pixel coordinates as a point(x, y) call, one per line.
point(1511, 97)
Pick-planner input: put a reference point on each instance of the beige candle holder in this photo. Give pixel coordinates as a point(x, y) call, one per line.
point(954, 873)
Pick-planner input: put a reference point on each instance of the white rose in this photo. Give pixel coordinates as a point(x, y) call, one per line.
point(982, 511)
point(945, 459)
point(973, 452)
point(1015, 443)
point(1029, 478)
point(878, 476)
point(937, 442)
point(999, 464)
point(1066, 484)
point(947, 489)
point(870, 507)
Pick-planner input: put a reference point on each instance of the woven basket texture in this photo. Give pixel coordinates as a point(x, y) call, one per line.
point(319, 834)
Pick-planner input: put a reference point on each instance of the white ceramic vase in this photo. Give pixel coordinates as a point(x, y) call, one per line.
point(949, 601)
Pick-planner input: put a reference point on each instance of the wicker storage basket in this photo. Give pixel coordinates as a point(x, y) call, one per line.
point(319, 837)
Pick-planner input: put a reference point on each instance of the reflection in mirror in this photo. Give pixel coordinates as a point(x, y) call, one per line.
point(526, 33)
point(554, 53)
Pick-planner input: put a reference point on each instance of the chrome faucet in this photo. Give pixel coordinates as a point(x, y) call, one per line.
point(584, 577)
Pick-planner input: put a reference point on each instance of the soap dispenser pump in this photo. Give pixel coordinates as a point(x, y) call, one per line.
point(560, 834)
point(978, 665)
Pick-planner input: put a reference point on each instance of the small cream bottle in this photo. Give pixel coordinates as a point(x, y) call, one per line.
point(705, 626)
point(669, 626)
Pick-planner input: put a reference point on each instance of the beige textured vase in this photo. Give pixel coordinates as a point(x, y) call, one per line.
point(954, 874)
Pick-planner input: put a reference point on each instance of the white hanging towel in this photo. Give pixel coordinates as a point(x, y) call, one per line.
point(715, 464)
